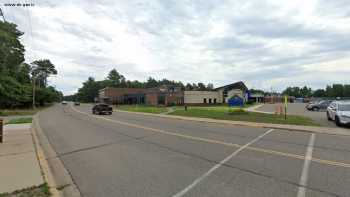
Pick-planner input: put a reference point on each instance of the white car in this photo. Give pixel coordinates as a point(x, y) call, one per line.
point(339, 111)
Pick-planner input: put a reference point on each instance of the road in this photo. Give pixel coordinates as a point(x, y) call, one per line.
point(299, 109)
point(135, 155)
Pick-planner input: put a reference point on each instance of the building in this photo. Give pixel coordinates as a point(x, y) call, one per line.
point(163, 95)
point(201, 97)
point(218, 95)
point(119, 95)
point(171, 95)
point(227, 92)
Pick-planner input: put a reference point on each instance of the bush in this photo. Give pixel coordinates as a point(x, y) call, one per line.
point(250, 102)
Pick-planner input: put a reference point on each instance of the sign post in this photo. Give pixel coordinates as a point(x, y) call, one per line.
point(285, 107)
point(1, 130)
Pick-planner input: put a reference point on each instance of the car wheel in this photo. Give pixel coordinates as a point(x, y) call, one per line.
point(337, 121)
point(328, 117)
point(315, 109)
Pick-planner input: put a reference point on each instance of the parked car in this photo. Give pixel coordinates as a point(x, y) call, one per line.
point(323, 104)
point(76, 103)
point(339, 111)
point(64, 102)
point(102, 108)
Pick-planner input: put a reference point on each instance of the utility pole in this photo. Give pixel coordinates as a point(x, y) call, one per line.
point(33, 92)
point(2, 14)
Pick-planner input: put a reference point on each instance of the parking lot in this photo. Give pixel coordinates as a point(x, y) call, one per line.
point(299, 109)
point(128, 154)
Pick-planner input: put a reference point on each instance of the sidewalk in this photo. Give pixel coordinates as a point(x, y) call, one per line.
point(19, 167)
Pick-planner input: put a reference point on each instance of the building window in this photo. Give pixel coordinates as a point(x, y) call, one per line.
point(214, 100)
point(204, 100)
point(210, 100)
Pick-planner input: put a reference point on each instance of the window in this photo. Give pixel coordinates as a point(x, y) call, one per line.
point(210, 100)
point(204, 100)
point(214, 100)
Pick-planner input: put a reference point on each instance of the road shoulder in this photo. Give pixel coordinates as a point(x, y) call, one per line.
point(57, 176)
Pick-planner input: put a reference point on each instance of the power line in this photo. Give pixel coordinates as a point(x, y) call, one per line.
point(2, 14)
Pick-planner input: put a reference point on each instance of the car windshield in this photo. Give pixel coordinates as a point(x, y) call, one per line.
point(344, 107)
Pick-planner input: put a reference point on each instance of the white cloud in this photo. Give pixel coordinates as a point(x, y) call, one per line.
point(265, 43)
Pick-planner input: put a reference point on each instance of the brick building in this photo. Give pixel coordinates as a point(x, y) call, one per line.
point(163, 95)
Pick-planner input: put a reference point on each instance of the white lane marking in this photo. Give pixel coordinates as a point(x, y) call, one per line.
point(201, 178)
point(305, 172)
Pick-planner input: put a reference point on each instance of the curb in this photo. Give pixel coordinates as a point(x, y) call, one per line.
point(55, 174)
point(312, 129)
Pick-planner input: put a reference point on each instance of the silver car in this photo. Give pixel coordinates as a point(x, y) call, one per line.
point(339, 111)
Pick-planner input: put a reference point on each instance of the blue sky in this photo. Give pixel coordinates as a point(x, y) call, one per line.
point(267, 44)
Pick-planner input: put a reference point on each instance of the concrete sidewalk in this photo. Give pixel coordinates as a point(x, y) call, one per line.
point(19, 166)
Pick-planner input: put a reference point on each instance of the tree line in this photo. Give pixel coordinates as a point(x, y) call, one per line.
point(332, 91)
point(17, 77)
point(89, 90)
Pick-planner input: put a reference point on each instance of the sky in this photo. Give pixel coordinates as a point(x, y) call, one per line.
point(267, 44)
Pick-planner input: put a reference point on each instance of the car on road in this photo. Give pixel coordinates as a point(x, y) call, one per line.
point(319, 105)
point(64, 102)
point(339, 111)
point(102, 108)
point(76, 103)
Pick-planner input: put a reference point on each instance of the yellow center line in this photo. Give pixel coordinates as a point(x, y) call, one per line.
point(256, 149)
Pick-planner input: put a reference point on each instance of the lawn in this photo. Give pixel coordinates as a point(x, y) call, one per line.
point(18, 112)
point(20, 120)
point(142, 108)
point(241, 115)
point(223, 108)
point(39, 191)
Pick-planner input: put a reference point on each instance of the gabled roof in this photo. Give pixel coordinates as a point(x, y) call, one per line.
point(238, 85)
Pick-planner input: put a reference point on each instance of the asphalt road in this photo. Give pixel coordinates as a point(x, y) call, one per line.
point(299, 109)
point(134, 155)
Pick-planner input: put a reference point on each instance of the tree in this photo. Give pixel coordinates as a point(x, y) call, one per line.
point(188, 86)
point(346, 91)
point(305, 92)
point(337, 90)
point(292, 91)
point(115, 79)
point(319, 93)
point(90, 89)
point(11, 49)
point(210, 86)
point(329, 91)
point(201, 87)
point(151, 83)
point(15, 81)
point(41, 70)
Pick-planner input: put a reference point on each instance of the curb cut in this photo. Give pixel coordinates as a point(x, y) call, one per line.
point(55, 174)
point(310, 129)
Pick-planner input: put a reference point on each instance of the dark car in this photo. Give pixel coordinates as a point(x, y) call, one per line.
point(323, 104)
point(76, 103)
point(102, 108)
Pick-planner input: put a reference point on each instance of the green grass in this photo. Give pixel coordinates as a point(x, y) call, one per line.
point(237, 114)
point(37, 191)
point(20, 120)
point(142, 108)
point(18, 112)
point(223, 108)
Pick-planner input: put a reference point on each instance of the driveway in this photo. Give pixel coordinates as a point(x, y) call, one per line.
point(299, 109)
